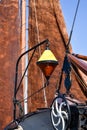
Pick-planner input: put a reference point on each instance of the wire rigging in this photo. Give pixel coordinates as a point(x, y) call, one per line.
point(73, 24)
point(44, 86)
point(67, 46)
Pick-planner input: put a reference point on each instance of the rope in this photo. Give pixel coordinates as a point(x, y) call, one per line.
point(58, 84)
point(38, 38)
point(44, 86)
point(57, 22)
point(66, 46)
point(73, 24)
point(36, 22)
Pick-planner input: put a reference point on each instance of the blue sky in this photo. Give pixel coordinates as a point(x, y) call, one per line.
point(79, 35)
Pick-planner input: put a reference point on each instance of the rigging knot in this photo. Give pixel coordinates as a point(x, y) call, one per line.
point(18, 103)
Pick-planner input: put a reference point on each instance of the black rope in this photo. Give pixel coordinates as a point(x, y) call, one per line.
point(67, 47)
point(45, 85)
point(58, 25)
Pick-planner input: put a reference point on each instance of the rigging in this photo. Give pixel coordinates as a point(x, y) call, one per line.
point(67, 46)
point(38, 39)
point(73, 24)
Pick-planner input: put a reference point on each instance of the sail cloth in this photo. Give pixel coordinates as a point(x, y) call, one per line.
point(46, 21)
point(9, 52)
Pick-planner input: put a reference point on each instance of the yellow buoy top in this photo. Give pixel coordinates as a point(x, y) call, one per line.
point(47, 55)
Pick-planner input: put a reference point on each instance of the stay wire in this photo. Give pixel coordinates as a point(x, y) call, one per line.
point(58, 23)
point(67, 47)
point(44, 86)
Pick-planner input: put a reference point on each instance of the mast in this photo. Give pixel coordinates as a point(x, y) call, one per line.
point(25, 59)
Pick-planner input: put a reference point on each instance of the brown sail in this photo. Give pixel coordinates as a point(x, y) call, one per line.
point(9, 52)
point(46, 21)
